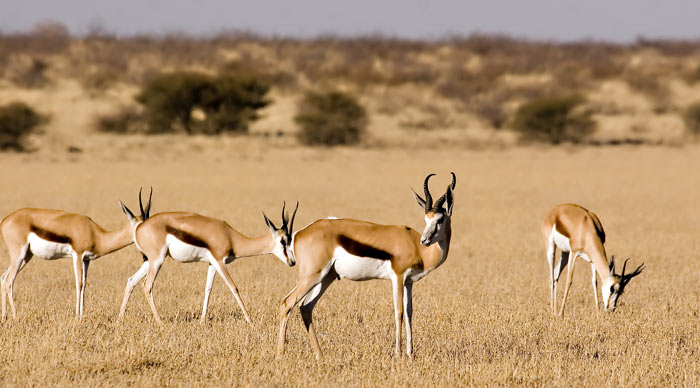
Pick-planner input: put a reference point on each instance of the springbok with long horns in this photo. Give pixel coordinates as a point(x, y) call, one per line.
point(55, 234)
point(331, 249)
point(578, 233)
point(189, 238)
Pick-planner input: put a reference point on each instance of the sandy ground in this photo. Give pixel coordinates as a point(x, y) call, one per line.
point(481, 319)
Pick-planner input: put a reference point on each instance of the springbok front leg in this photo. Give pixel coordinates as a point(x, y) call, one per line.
point(408, 314)
point(130, 284)
point(307, 308)
point(397, 282)
point(23, 257)
point(298, 292)
point(594, 280)
point(153, 270)
point(220, 268)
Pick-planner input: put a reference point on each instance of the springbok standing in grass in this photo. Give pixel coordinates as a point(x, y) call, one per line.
point(189, 238)
point(55, 234)
point(331, 249)
point(578, 232)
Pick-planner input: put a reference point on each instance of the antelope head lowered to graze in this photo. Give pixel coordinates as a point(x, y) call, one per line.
point(578, 233)
point(55, 234)
point(331, 249)
point(190, 237)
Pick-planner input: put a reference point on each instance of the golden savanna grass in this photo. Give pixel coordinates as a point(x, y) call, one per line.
point(482, 319)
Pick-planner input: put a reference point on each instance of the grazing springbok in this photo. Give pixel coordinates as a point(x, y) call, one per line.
point(55, 234)
point(578, 232)
point(331, 249)
point(189, 238)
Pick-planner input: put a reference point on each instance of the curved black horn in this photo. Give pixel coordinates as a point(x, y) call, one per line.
point(624, 266)
point(428, 197)
point(284, 218)
point(441, 200)
point(148, 205)
point(291, 223)
point(143, 214)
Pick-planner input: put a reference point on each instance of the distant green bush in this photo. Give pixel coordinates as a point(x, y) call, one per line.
point(691, 116)
point(227, 103)
point(332, 118)
point(17, 121)
point(553, 120)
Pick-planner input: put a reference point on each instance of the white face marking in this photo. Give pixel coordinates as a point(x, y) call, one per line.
point(610, 297)
point(280, 251)
point(431, 233)
point(185, 253)
point(48, 250)
point(561, 241)
point(360, 268)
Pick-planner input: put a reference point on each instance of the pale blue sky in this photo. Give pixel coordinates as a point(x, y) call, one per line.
point(564, 20)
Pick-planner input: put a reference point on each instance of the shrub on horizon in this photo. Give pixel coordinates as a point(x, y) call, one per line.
point(331, 118)
point(553, 120)
point(17, 121)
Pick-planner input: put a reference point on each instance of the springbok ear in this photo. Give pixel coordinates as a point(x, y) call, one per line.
point(269, 224)
point(449, 200)
point(612, 265)
point(420, 200)
point(128, 212)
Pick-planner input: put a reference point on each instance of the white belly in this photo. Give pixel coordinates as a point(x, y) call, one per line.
point(48, 250)
point(185, 253)
point(561, 241)
point(360, 268)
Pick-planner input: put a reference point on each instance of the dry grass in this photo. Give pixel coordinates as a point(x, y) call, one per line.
point(482, 319)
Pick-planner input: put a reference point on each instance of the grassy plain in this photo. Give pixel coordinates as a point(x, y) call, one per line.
point(482, 319)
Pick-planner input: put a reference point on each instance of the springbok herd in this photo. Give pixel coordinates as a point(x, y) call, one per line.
point(326, 250)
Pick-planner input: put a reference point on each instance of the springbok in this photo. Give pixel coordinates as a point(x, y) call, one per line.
point(331, 249)
point(55, 234)
point(575, 230)
point(189, 238)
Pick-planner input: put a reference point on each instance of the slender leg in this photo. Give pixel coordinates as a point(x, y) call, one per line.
point(15, 266)
point(594, 280)
point(300, 290)
point(307, 309)
point(3, 290)
point(569, 279)
point(551, 252)
point(153, 270)
point(86, 264)
point(408, 315)
point(397, 282)
point(220, 267)
point(78, 272)
point(130, 284)
point(211, 273)
point(563, 261)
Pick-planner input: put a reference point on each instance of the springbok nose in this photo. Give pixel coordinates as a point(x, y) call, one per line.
point(424, 242)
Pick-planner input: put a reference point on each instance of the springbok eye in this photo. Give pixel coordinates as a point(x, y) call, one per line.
point(612, 289)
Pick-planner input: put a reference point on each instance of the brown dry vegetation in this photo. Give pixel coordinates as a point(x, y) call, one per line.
point(482, 319)
point(461, 89)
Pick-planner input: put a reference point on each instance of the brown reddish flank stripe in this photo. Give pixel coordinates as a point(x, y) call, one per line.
point(186, 237)
point(49, 235)
point(357, 248)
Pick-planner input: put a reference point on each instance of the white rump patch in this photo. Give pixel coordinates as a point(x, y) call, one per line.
point(184, 252)
point(360, 268)
point(560, 240)
point(48, 250)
